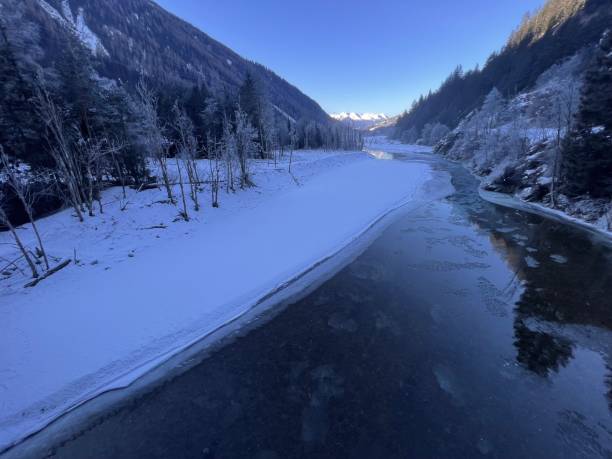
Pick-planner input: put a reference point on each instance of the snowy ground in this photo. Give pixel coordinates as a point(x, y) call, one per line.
point(515, 202)
point(140, 294)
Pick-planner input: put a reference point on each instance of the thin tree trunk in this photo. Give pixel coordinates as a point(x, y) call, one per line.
point(38, 238)
point(163, 165)
point(120, 173)
point(22, 248)
point(180, 174)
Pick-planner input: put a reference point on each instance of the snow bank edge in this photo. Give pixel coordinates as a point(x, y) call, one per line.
point(127, 378)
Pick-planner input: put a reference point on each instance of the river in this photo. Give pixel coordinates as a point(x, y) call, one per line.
point(464, 330)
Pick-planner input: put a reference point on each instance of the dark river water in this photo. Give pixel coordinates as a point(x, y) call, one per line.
point(465, 330)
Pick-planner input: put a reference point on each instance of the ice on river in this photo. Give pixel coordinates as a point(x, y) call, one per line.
point(144, 291)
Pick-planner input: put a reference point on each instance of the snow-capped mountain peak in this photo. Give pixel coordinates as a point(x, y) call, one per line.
point(372, 117)
point(363, 121)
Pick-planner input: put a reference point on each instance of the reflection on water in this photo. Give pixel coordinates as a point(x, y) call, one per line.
point(541, 352)
point(566, 279)
point(466, 330)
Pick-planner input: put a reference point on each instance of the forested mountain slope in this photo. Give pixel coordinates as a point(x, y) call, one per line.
point(556, 32)
point(128, 37)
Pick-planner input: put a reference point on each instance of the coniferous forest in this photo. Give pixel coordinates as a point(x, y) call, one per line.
point(547, 90)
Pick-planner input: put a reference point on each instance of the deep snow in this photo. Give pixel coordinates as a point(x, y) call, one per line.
point(140, 295)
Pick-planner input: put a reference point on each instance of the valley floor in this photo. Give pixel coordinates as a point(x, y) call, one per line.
point(146, 285)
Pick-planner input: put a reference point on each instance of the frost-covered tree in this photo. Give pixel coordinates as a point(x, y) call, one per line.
point(293, 135)
point(411, 136)
point(151, 132)
point(212, 118)
point(480, 136)
point(246, 146)
point(426, 134)
point(187, 153)
point(268, 132)
point(25, 252)
point(228, 148)
point(438, 132)
point(26, 196)
point(62, 149)
point(214, 163)
point(564, 109)
point(491, 108)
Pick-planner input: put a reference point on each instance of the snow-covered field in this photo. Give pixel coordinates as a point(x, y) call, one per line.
point(146, 286)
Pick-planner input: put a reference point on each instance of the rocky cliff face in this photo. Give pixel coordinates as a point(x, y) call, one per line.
point(516, 145)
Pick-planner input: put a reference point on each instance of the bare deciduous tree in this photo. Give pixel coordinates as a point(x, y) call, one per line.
point(228, 147)
point(152, 133)
point(184, 213)
point(27, 198)
point(187, 151)
point(63, 154)
point(5, 220)
point(245, 146)
point(566, 105)
point(294, 142)
point(215, 170)
point(92, 154)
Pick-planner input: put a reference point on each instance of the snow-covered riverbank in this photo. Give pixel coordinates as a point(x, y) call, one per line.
point(147, 286)
point(514, 202)
point(380, 146)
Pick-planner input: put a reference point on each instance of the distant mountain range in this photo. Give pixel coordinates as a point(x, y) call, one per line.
point(364, 121)
point(130, 37)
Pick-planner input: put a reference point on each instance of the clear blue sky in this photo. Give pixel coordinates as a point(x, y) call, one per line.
point(359, 55)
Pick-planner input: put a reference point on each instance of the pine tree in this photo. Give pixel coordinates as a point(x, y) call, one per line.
point(79, 92)
point(18, 134)
point(250, 99)
point(252, 103)
point(212, 116)
point(193, 106)
point(117, 118)
point(587, 158)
